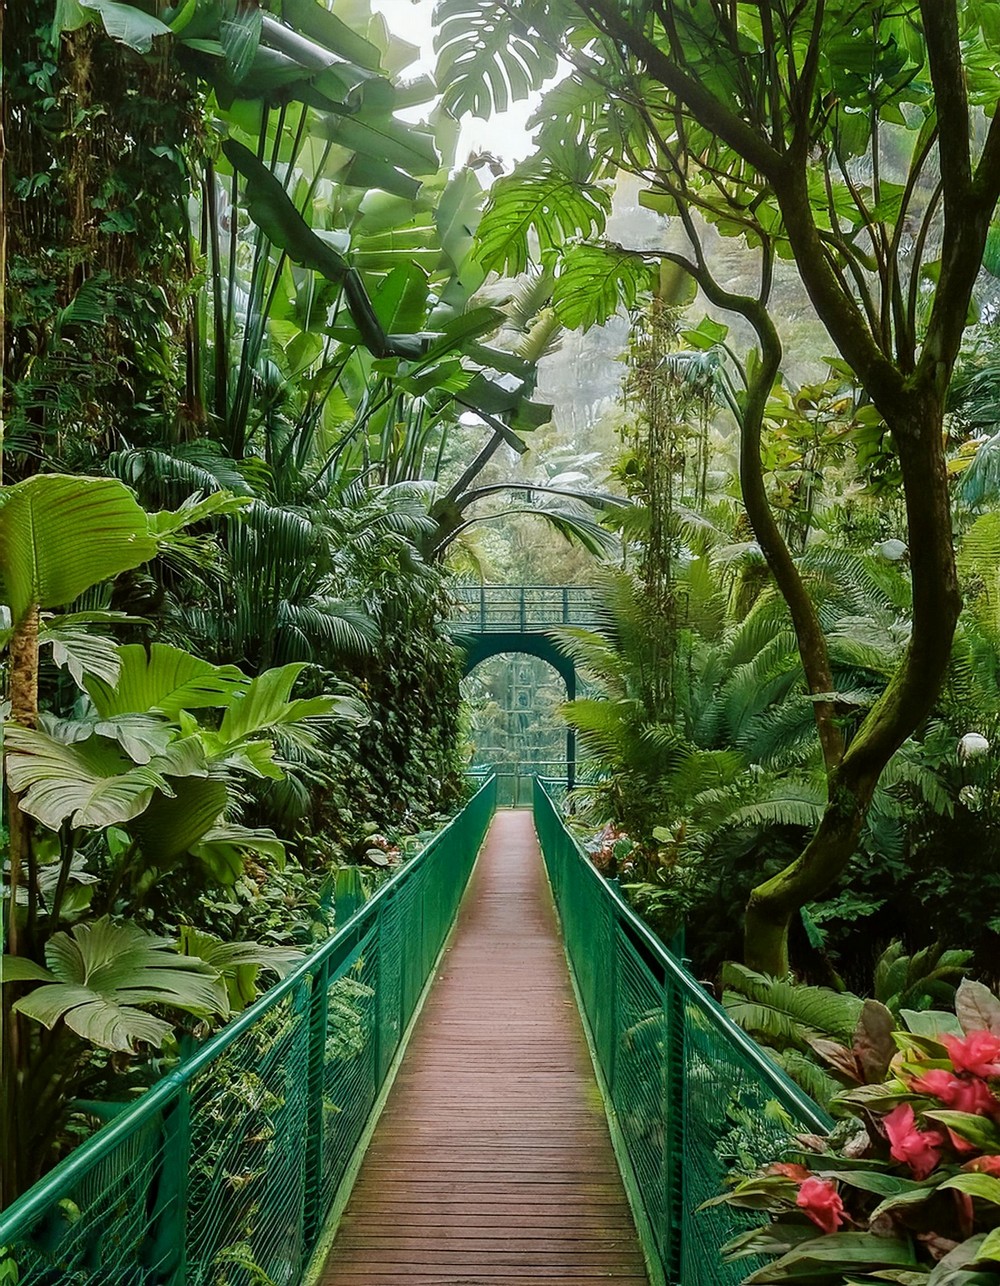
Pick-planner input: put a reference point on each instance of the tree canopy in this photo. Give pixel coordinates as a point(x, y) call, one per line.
point(861, 141)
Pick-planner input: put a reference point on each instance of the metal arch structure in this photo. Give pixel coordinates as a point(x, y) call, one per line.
point(494, 619)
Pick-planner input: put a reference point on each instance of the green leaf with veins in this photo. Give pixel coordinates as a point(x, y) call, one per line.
point(100, 977)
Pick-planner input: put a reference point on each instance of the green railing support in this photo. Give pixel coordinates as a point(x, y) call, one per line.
point(691, 1097)
point(225, 1169)
point(318, 1017)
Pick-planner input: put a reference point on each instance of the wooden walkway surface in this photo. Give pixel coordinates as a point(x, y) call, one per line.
point(492, 1162)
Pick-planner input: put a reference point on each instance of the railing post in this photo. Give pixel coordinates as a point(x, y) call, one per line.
point(318, 1012)
point(565, 599)
point(571, 732)
point(673, 1134)
point(482, 608)
point(171, 1244)
point(524, 612)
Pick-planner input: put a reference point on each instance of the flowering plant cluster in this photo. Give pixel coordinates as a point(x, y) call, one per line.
point(907, 1188)
point(612, 852)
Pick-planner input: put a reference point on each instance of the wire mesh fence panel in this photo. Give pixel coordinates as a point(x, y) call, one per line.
point(222, 1174)
point(694, 1099)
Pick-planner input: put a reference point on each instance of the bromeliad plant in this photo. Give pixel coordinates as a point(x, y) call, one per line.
point(907, 1189)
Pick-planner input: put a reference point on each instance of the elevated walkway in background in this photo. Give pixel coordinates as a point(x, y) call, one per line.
point(492, 1162)
point(492, 620)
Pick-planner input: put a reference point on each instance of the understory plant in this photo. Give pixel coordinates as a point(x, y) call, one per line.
point(907, 1187)
point(826, 1039)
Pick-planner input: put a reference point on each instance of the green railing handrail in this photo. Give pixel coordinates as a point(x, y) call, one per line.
point(297, 990)
point(790, 1095)
point(520, 609)
point(638, 980)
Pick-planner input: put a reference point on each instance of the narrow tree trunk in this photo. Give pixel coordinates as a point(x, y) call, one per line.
point(13, 1054)
point(907, 700)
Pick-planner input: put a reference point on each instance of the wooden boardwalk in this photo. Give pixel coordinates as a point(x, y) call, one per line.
point(492, 1162)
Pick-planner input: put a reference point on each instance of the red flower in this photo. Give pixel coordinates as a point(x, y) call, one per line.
point(984, 1165)
point(978, 1053)
point(821, 1202)
point(959, 1092)
point(789, 1170)
point(962, 1146)
point(919, 1149)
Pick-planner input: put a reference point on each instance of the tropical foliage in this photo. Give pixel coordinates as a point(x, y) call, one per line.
point(909, 1185)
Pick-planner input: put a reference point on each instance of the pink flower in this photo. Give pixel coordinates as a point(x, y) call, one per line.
point(962, 1146)
point(984, 1165)
point(919, 1149)
point(978, 1053)
point(959, 1092)
point(821, 1202)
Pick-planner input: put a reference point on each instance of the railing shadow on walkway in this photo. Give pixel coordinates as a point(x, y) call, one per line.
point(225, 1171)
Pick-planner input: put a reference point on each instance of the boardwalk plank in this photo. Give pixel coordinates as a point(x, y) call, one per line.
point(492, 1164)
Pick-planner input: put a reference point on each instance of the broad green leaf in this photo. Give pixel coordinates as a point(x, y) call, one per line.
point(386, 139)
point(554, 207)
point(60, 535)
point(141, 736)
point(707, 334)
point(275, 214)
point(165, 679)
point(104, 974)
point(89, 784)
point(955, 1269)
point(824, 1256)
point(595, 281)
point(238, 962)
point(977, 1008)
point(128, 24)
point(318, 23)
point(224, 849)
point(81, 653)
point(977, 1129)
point(983, 1186)
point(457, 213)
point(264, 704)
point(485, 62)
point(169, 827)
point(990, 1246)
point(20, 969)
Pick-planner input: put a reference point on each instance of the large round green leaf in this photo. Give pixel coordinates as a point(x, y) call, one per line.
point(101, 976)
point(60, 535)
point(169, 827)
point(91, 783)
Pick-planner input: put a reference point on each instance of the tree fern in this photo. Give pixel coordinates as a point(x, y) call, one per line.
point(787, 803)
point(786, 1014)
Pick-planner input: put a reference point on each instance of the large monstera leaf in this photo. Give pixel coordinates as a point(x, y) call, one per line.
point(101, 977)
point(485, 61)
point(59, 535)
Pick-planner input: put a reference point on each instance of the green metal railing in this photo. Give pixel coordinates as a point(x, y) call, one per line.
point(224, 1172)
point(693, 1097)
point(524, 609)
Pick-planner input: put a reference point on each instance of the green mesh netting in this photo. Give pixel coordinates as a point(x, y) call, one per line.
point(223, 1173)
point(695, 1099)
